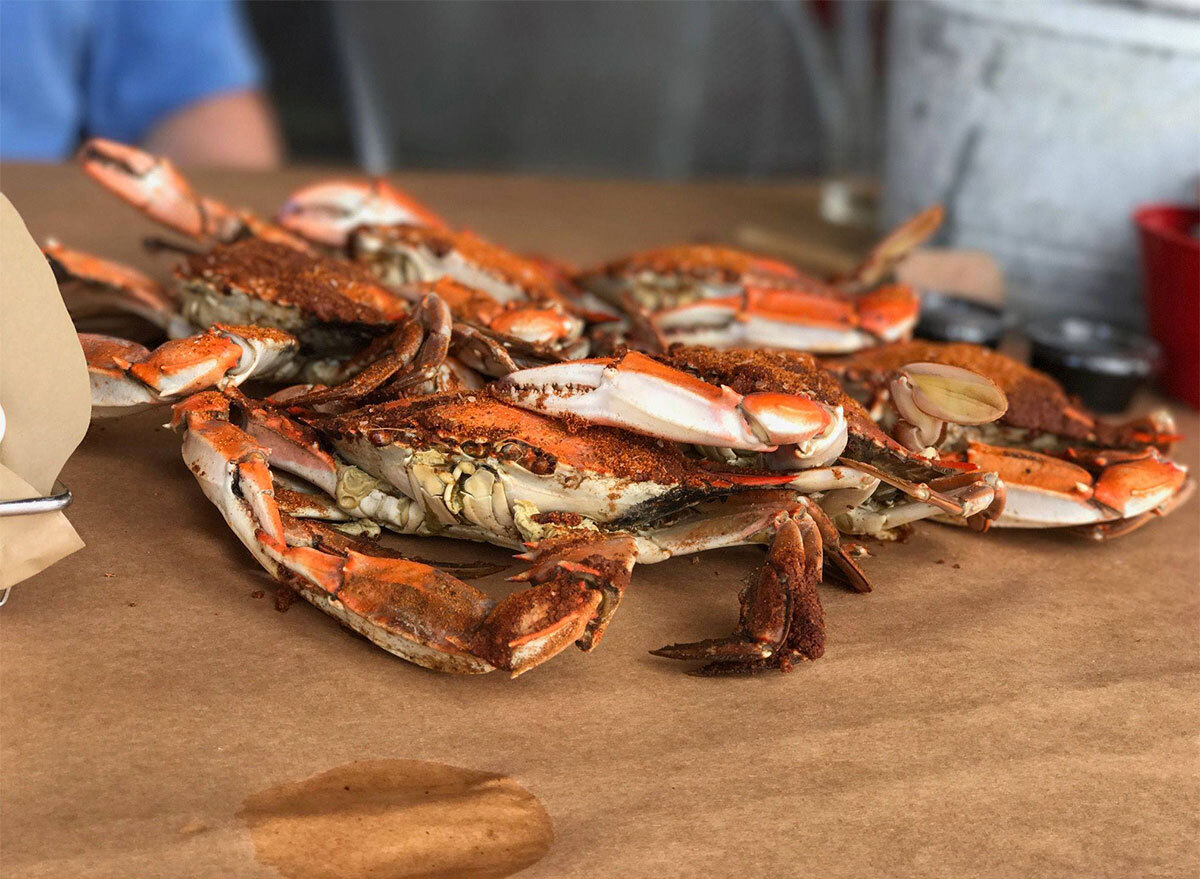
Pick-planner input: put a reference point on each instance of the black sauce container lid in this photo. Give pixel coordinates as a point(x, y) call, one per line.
point(1103, 364)
point(947, 318)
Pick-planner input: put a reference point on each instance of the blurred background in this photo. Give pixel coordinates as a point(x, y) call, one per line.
point(1040, 126)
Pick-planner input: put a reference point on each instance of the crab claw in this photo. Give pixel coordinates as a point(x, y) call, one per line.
point(930, 395)
point(890, 312)
point(126, 376)
point(92, 281)
point(1137, 486)
point(1047, 492)
point(545, 326)
point(153, 186)
point(638, 393)
point(326, 212)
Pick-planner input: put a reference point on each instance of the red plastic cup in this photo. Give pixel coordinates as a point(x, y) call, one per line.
point(1171, 267)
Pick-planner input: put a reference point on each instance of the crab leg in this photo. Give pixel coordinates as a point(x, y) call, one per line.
point(638, 393)
point(409, 356)
point(781, 619)
point(126, 376)
point(896, 245)
point(410, 609)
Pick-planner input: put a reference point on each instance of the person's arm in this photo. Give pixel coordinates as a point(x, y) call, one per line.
point(182, 79)
point(235, 130)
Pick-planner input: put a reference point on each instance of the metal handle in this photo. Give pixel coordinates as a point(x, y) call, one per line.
point(59, 500)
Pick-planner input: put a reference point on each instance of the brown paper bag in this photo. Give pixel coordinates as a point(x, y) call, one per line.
point(45, 396)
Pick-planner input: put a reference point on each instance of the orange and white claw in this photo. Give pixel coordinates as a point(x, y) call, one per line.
point(110, 285)
point(328, 211)
point(154, 186)
point(795, 319)
point(126, 377)
point(889, 313)
point(1047, 492)
point(638, 393)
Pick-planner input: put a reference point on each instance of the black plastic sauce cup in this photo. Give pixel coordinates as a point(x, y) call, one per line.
point(946, 318)
point(1104, 365)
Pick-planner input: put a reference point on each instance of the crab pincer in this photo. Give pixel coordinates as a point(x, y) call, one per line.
point(328, 211)
point(637, 393)
point(155, 187)
point(126, 376)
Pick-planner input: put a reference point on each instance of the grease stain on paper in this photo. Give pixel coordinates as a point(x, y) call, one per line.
point(398, 819)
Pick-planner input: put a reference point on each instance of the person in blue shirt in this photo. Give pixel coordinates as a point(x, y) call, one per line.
point(181, 79)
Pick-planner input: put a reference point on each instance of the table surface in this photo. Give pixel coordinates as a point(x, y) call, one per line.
point(1014, 704)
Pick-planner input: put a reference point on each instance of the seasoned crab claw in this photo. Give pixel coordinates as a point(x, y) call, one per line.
point(126, 376)
point(1099, 487)
point(638, 393)
point(408, 608)
point(930, 395)
point(95, 283)
point(782, 621)
point(153, 185)
point(328, 211)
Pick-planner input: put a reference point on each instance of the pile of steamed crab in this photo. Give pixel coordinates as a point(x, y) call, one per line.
point(422, 380)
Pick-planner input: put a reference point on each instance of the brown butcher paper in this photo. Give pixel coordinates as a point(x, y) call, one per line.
point(1007, 705)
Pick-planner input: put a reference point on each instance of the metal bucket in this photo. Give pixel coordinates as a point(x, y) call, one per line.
point(1040, 126)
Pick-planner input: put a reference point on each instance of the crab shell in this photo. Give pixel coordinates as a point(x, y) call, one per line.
point(331, 306)
point(1036, 402)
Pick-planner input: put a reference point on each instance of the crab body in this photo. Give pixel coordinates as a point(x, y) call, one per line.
point(585, 504)
point(1061, 465)
point(728, 298)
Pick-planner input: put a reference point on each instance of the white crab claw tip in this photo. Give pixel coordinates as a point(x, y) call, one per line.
point(784, 419)
point(956, 395)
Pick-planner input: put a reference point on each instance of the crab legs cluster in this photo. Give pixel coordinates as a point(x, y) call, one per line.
point(447, 388)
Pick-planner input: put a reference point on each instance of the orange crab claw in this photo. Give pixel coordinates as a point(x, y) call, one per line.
point(889, 312)
point(896, 245)
point(539, 325)
point(153, 185)
point(1047, 492)
point(328, 211)
point(126, 376)
point(638, 393)
point(111, 283)
point(1132, 487)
